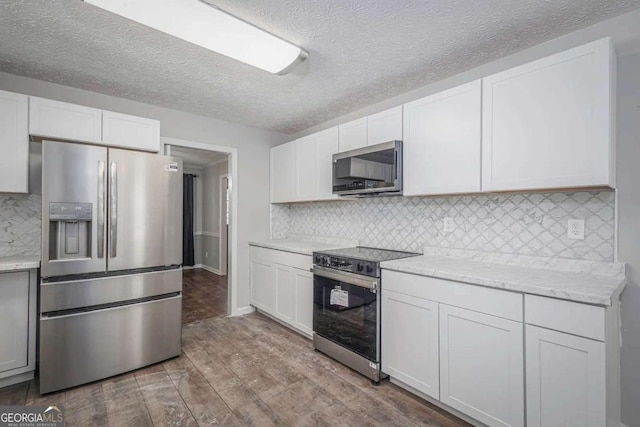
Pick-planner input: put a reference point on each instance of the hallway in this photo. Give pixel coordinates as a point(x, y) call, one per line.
point(204, 295)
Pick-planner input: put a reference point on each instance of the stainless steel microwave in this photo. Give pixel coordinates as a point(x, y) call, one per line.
point(369, 171)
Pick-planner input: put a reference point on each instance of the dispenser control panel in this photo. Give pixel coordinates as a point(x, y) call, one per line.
point(70, 211)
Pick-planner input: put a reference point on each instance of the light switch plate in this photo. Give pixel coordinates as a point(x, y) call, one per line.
point(449, 225)
point(575, 229)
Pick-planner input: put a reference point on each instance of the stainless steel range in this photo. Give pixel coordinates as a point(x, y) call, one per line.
point(346, 306)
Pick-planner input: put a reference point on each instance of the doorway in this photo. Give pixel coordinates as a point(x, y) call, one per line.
point(208, 213)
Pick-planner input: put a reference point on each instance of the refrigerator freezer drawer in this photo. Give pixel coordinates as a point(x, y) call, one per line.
point(56, 296)
point(85, 347)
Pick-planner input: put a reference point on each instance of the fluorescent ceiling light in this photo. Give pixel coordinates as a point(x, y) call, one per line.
point(204, 25)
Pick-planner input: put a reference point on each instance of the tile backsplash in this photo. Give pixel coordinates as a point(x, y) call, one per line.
point(522, 223)
point(20, 224)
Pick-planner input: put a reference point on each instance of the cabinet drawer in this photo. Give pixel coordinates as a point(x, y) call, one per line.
point(574, 318)
point(290, 259)
point(477, 298)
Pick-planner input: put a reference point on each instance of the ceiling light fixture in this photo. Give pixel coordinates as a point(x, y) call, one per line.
point(204, 25)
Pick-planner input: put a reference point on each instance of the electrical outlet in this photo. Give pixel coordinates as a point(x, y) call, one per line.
point(575, 229)
point(449, 225)
point(206, 254)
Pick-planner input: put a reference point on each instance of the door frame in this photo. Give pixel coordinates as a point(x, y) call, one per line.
point(232, 280)
point(223, 246)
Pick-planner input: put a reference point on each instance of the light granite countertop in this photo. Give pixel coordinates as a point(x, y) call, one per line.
point(19, 262)
point(304, 245)
point(557, 282)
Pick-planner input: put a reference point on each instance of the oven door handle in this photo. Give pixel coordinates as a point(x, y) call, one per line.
point(344, 277)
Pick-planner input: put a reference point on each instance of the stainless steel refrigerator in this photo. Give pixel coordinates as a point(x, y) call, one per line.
point(111, 286)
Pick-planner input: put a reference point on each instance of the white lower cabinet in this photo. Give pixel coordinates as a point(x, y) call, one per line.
point(303, 319)
point(410, 341)
point(282, 287)
point(566, 384)
point(17, 326)
point(263, 290)
point(482, 366)
point(285, 287)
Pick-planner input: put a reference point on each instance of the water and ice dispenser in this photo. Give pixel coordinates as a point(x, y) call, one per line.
point(70, 230)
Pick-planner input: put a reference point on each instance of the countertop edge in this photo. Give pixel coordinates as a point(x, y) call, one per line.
point(280, 248)
point(566, 295)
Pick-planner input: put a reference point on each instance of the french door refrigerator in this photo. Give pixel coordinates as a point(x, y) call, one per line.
point(111, 281)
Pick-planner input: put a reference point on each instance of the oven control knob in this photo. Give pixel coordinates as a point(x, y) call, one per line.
point(326, 260)
point(317, 259)
point(369, 269)
point(360, 266)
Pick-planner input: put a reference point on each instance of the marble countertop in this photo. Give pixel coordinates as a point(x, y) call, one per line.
point(575, 286)
point(303, 246)
point(19, 262)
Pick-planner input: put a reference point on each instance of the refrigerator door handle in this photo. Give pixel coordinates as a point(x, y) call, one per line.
point(113, 222)
point(101, 207)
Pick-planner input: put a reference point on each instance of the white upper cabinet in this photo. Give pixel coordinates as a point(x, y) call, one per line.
point(353, 135)
point(14, 142)
point(547, 124)
point(307, 167)
point(385, 126)
point(61, 120)
point(123, 130)
point(326, 146)
point(284, 173)
point(442, 142)
point(302, 170)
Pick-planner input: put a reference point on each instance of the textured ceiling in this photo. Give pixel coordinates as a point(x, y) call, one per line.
point(197, 158)
point(362, 51)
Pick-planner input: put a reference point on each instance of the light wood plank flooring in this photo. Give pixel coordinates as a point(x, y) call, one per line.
point(238, 371)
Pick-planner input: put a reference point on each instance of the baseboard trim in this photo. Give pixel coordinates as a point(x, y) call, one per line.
point(241, 311)
point(15, 379)
point(204, 267)
point(210, 269)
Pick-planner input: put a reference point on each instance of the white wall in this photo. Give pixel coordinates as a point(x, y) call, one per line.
point(211, 222)
point(253, 154)
point(628, 138)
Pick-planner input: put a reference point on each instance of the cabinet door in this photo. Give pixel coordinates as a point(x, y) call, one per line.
point(263, 291)
point(14, 320)
point(547, 124)
point(14, 142)
point(307, 161)
point(61, 120)
point(481, 366)
point(123, 130)
point(304, 301)
point(385, 126)
point(566, 383)
point(353, 135)
point(284, 173)
point(442, 142)
point(410, 341)
point(326, 146)
point(285, 283)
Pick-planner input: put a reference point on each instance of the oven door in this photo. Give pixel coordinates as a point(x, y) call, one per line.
point(346, 310)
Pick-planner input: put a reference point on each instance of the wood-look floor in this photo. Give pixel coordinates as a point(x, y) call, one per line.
point(204, 295)
point(238, 371)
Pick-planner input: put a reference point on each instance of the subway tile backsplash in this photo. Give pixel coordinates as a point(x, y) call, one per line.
point(20, 224)
point(522, 223)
